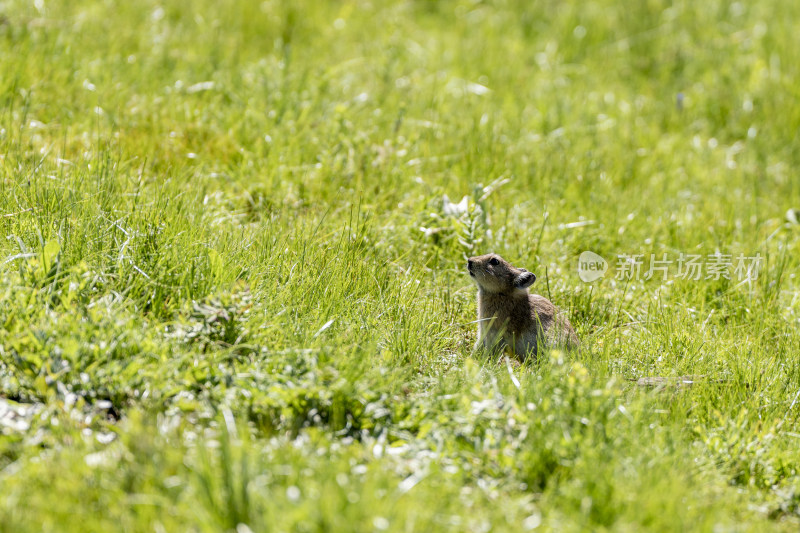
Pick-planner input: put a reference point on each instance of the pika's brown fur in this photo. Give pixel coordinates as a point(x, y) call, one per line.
point(509, 316)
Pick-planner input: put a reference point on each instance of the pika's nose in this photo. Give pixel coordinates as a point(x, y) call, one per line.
point(469, 264)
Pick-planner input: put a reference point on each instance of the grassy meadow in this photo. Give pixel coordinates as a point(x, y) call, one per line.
point(233, 293)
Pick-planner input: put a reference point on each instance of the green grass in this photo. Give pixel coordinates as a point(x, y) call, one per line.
point(232, 299)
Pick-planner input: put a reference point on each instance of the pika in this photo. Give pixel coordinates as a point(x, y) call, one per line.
point(509, 316)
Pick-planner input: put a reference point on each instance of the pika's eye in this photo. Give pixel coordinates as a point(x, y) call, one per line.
point(494, 261)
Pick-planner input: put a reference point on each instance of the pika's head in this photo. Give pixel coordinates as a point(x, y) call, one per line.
point(494, 274)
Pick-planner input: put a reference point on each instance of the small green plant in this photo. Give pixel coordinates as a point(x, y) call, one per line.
point(216, 321)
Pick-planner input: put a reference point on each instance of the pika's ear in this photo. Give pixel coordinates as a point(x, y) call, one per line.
point(524, 280)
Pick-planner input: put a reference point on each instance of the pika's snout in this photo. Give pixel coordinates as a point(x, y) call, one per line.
point(469, 267)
